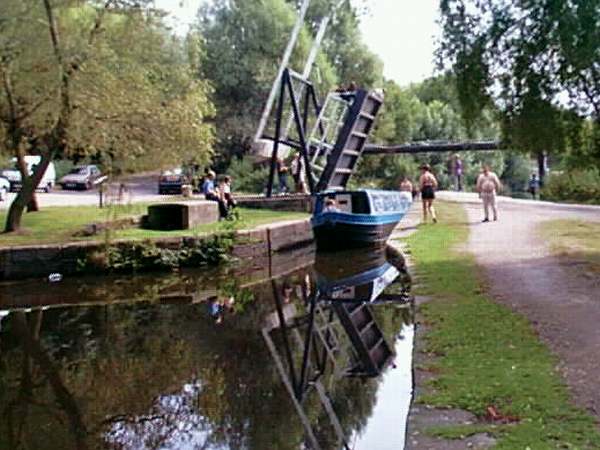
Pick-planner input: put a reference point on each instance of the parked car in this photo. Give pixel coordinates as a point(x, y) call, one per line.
point(171, 181)
point(4, 188)
point(82, 177)
point(14, 175)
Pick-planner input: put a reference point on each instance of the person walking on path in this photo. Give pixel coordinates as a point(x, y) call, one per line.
point(488, 184)
point(534, 186)
point(428, 184)
point(406, 189)
point(457, 171)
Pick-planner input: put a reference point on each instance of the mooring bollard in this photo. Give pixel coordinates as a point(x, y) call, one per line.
point(101, 195)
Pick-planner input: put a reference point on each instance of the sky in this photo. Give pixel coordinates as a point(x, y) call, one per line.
point(401, 32)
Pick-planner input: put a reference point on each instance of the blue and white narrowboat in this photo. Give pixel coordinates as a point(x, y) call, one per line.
point(361, 218)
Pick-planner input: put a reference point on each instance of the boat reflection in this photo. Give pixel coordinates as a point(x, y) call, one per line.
point(335, 335)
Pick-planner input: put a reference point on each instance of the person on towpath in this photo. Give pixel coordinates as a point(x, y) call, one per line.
point(488, 184)
point(428, 184)
point(406, 189)
point(534, 186)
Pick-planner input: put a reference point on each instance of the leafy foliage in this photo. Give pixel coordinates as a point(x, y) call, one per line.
point(577, 186)
point(533, 60)
point(105, 81)
point(426, 111)
point(247, 178)
point(145, 256)
point(244, 41)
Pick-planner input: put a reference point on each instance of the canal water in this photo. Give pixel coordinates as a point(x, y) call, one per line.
point(302, 351)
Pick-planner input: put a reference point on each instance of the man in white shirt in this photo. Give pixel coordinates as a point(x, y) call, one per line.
point(487, 186)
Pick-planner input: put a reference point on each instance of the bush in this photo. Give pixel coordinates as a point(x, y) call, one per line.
point(577, 186)
point(246, 177)
point(132, 257)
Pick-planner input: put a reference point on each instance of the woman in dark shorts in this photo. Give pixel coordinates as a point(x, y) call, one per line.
point(428, 184)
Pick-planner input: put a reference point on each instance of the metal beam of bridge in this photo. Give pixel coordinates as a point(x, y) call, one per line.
point(426, 147)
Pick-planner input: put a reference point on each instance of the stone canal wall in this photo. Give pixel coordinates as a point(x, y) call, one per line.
point(41, 260)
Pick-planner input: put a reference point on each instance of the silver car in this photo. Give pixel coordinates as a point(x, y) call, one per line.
point(82, 177)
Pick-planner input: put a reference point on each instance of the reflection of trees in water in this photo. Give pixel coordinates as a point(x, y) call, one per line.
point(152, 375)
point(37, 373)
point(122, 369)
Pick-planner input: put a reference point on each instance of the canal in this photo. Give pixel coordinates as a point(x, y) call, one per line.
point(305, 351)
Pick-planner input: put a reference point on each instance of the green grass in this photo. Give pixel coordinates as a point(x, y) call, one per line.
point(574, 239)
point(249, 218)
point(58, 224)
point(487, 355)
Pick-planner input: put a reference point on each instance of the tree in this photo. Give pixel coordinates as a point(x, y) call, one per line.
point(537, 62)
point(104, 80)
point(244, 41)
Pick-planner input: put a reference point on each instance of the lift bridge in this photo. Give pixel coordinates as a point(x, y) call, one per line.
point(332, 136)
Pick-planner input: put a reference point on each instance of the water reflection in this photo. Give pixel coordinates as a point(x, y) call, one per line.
point(289, 355)
point(335, 336)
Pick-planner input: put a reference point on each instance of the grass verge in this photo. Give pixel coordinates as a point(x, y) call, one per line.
point(574, 239)
point(486, 355)
point(58, 224)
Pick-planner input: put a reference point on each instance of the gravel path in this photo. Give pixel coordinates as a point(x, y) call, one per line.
point(559, 297)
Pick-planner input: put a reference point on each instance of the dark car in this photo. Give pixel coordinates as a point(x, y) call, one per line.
point(82, 177)
point(171, 181)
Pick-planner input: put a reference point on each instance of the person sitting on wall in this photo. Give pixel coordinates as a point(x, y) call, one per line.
point(225, 190)
point(213, 194)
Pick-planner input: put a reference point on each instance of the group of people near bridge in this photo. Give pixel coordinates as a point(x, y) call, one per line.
point(487, 185)
point(297, 170)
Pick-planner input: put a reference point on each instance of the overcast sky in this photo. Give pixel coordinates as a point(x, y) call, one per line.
point(401, 32)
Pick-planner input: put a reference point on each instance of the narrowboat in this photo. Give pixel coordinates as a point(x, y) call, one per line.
point(361, 218)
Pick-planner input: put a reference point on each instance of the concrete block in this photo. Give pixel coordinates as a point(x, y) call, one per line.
point(182, 215)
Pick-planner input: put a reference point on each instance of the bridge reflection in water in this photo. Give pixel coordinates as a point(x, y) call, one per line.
point(292, 353)
point(336, 335)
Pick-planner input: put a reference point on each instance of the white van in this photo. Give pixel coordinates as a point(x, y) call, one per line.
point(14, 175)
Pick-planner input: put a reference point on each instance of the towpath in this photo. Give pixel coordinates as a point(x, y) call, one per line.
point(559, 297)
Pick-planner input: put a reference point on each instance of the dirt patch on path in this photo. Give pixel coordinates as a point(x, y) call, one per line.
point(560, 301)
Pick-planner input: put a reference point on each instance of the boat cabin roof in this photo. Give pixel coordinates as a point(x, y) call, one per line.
point(369, 192)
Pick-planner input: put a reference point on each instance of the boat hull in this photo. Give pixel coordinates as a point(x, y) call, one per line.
point(331, 236)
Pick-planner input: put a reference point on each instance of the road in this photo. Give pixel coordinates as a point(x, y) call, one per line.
point(560, 298)
point(140, 188)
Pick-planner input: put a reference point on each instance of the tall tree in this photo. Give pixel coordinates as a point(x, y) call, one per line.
point(534, 60)
point(244, 41)
point(103, 79)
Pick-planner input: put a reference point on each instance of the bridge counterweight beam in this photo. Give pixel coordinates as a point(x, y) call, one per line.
point(431, 148)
